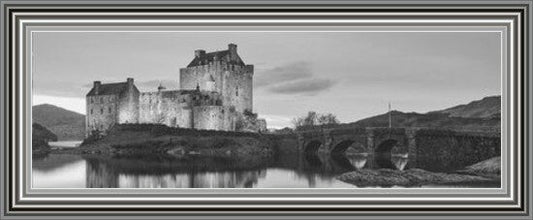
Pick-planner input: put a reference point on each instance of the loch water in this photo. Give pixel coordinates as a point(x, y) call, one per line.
point(281, 171)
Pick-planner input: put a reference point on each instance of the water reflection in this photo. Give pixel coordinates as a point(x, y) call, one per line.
point(170, 173)
point(58, 171)
point(309, 170)
point(281, 171)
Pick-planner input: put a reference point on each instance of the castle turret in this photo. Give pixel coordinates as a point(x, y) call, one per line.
point(130, 83)
point(199, 53)
point(96, 87)
point(232, 48)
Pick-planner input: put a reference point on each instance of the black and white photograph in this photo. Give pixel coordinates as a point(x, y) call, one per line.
point(266, 109)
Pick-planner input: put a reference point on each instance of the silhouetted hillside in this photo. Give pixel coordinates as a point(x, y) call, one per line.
point(434, 120)
point(40, 138)
point(480, 114)
point(484, 108)
point(67, 125)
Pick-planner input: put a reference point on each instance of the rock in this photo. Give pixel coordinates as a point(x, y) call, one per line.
point(411, 177)
point(487, 168)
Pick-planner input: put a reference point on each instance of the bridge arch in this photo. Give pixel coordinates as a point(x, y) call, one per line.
point(343, 146)
point(312, 147)
point(385, 147)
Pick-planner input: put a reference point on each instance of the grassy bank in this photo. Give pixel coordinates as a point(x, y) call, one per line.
point(142, 139)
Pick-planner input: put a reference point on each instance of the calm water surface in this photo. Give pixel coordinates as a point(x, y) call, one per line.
point(284, 171)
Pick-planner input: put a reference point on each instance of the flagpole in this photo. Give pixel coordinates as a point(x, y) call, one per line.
point(390, 116)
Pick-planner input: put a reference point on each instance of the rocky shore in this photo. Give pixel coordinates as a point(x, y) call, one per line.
point(484, 172)
point(490, 168)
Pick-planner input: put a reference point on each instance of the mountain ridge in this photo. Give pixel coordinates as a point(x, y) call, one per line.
point(66, 124)
point(477, 114)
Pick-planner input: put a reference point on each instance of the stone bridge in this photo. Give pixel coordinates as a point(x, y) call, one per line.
point(435, 145)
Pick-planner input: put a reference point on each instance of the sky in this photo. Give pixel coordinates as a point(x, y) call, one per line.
point(353, 75)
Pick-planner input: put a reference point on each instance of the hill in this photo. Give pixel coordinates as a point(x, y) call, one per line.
point(67, 125)
point(484, 108)
point(482, 114)
point(440, 120)
point(40, 137)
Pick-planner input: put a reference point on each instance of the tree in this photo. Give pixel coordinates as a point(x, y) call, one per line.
point(250, 115)
point(298, 122)
point(313, 119)
point(327, 119)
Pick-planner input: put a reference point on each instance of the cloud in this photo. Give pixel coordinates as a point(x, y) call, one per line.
point(293, 78)
point(60, 88)
point(306, 87)
point(68, 89)
point(289, 72)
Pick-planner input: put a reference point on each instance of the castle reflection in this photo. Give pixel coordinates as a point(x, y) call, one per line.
point(283, 170)
point(168, 173)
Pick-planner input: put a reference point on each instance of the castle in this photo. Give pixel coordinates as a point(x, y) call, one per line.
point(216, 93)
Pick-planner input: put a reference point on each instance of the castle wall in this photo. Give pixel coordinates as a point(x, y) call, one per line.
point(185, 119)
point(129, 106)
point(102, 112)
point(237, 87)
point(173, 108)
point(213, 118)
point(165, 107)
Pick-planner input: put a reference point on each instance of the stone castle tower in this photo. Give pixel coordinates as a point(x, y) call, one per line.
point(216, 93)
point(223, 72)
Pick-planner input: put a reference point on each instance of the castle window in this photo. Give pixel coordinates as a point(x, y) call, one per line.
point(237, 91)
point(92, 100)
point(101, 111)
point(102, 99)
point(109, 109)
point(91, 111)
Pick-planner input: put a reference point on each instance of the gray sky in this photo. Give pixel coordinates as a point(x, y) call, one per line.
point(350, 74)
